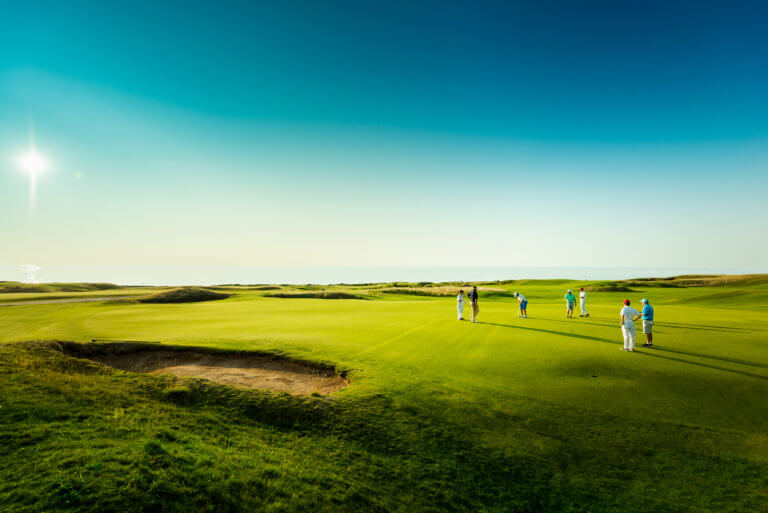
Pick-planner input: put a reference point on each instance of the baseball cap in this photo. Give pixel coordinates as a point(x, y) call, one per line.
point(643, 300)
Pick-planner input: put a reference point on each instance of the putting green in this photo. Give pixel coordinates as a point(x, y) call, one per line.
point(680, 426)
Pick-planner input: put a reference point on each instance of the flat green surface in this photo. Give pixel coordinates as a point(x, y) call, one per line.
point(683, 426)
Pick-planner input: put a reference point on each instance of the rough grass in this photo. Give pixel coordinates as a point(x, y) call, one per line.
point(183, 295)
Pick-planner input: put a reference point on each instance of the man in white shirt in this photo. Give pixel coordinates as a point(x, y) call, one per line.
point(522, 305)
point(460, 305)
point(583, 302)
point(627, 318)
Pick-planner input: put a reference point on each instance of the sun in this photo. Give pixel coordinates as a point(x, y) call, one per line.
point(32, 163)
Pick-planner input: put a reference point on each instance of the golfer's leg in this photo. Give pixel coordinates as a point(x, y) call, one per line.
point(632, 338)
point(625, 334)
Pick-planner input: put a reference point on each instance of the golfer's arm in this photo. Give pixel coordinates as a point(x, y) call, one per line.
point(621, 320)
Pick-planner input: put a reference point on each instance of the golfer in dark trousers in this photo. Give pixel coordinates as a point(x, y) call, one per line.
point(475, 313)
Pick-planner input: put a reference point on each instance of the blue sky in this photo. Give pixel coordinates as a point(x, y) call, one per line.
point(386, 133)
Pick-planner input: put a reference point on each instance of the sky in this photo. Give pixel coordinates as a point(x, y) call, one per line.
point(384, 134)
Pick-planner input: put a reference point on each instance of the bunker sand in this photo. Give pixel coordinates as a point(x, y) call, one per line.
point(242, 371)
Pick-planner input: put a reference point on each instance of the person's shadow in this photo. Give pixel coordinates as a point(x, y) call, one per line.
point(652, 351)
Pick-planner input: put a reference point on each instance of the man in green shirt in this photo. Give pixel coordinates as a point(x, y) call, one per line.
point(570, 302)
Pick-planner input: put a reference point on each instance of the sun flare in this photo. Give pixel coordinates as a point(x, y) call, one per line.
point(32, 163)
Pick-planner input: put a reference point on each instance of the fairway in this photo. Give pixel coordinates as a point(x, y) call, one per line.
point(507, 414)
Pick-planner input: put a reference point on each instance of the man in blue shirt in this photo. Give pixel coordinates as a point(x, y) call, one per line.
point(647, 314)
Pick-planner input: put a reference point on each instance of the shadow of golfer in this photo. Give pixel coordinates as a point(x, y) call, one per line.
point(704, 327)
point(651, 351)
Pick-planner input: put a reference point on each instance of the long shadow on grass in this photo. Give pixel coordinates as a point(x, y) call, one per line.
point(601, 324)
point(613, 342)
point(678, 325)
point(704, 327)
point(713, 357)
point(734, 371)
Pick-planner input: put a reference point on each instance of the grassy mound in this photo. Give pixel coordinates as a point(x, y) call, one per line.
point(316, 295)
point(243, 288)
point(702, 280)
point(183, 295)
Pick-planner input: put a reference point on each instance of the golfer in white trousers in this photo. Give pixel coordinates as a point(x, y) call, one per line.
point(627, 318)
point(583, 303)
point(460, 305)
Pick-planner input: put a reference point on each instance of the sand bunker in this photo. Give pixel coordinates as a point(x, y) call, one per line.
point(243, 371)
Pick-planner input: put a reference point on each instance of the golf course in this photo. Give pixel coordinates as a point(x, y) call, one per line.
point(431, 414)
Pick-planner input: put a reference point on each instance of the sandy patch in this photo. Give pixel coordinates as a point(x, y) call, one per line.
point(243, 371)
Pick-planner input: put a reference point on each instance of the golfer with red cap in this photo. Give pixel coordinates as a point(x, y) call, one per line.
point(627, 318)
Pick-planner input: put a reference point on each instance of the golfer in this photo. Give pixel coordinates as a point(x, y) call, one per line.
point(522, 305)
point(583, 303)
point(460, 305)
point(647, 322)
point(570, 301)
point(475, 313)
point(627, 318)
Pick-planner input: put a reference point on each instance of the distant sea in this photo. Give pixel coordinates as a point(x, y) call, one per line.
point(187, 275)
